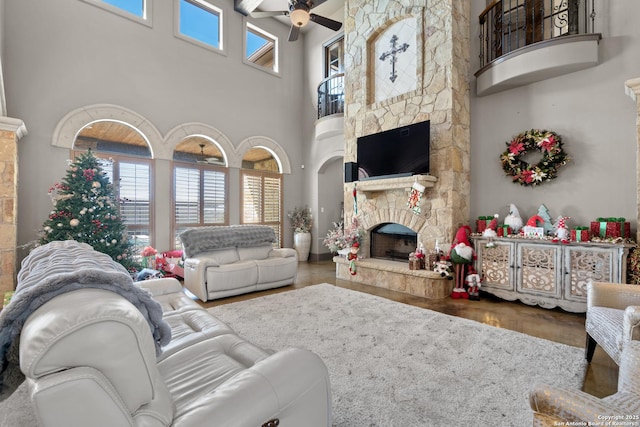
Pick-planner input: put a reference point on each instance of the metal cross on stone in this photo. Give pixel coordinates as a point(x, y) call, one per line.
point(393, 54)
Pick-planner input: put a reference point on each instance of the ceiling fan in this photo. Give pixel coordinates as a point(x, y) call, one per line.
point(209, 160)
point(300, 14)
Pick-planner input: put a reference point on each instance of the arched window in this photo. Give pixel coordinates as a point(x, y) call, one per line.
point(262, 190)
point(200, 185)
point(128, 165)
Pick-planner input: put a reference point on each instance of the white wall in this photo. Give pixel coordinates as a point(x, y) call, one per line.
point(591, 112)
point(323, 187)
point(59, 56)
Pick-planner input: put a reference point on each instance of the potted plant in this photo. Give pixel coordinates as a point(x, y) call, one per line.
point(301, 222)
point(340, 238)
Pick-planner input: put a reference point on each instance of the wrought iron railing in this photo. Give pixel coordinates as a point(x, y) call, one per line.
point(331, 95)
point(507, 25)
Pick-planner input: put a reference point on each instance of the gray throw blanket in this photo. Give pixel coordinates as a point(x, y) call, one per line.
point(60, 267)
point(205, 239)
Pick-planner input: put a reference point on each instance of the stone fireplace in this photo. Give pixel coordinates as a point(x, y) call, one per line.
point(433, 85)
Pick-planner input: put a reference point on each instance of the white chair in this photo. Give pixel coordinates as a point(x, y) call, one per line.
point(613, 317)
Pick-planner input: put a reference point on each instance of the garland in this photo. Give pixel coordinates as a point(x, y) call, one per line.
point(547, 142)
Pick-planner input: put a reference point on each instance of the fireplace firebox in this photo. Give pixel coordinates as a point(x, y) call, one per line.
point(392, 241)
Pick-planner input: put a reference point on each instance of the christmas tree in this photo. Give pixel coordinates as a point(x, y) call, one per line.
point(86, 210)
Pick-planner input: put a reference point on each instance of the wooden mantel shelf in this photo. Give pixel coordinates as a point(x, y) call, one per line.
point(396, 183)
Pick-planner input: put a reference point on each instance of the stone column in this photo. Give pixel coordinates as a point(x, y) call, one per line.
point(11, 130)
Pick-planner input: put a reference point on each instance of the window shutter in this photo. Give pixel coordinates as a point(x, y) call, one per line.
point(135, 193)
point(214, 197)
point(187, 195)
point(252, 199)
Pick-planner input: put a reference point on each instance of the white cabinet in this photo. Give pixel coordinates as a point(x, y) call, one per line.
point(539, 272)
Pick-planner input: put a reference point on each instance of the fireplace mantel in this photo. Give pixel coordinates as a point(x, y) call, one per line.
point(373, 185)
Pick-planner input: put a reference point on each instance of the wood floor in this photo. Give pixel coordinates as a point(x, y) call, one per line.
point(555, 325)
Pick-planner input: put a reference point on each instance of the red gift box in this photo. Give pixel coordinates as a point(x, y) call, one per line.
point(482, 222)
point(504, 231)
point(611, 228)
point(580, 234)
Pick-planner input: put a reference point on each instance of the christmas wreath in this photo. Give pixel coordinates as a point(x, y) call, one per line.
point(553, 156)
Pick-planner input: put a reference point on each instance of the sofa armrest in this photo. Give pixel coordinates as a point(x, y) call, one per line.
point(164, 286)
point(612, 295)
point(195, 279)
point(631, 324)
point(566, 404)
point(291, 385)
point(283, 253)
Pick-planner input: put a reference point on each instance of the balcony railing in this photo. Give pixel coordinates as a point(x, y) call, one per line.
point(331, 95)
point(507, 25)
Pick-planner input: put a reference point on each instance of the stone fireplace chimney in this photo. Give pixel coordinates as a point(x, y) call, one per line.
point(387, 87)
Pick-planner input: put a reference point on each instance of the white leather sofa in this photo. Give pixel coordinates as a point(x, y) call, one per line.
point(89, 358)
point(222, 261)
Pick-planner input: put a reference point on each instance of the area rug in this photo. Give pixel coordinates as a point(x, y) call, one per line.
point(391, 364)
point(394, 365)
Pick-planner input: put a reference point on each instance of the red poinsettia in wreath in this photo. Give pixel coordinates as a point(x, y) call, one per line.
point(553, 156)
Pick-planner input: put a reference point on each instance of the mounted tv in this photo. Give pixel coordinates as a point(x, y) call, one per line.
point(394, 153)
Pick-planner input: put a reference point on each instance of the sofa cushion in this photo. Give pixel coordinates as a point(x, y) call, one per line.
point(231, 276)
point(189, 327)
point(221, 256)
point(256, 252)
point(276, 269)
point(202, 367)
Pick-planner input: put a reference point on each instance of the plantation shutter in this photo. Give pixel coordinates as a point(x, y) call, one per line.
point(199, 198)
point(134, 191)
point(252, 199)
point(214, 197)
point(187, 195)
point(262, 200)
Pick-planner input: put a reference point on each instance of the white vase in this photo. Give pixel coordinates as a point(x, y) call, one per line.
point(344, 252)
point(302, 245)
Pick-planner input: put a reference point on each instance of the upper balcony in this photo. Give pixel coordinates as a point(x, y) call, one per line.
point(525, 41)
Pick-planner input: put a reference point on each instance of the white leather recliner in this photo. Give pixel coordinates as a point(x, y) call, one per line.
point(89, 360)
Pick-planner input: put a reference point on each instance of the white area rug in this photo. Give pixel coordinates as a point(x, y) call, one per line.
point(393, 364)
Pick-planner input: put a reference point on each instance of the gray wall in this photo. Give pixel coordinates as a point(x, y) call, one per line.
point(59, 56)
point(588, 108)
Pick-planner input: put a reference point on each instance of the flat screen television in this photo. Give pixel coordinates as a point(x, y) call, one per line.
point(394, 153)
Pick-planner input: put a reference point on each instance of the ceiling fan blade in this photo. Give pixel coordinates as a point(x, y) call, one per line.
point(317, 2)
point(268, 14)
point(325, 22)
point(293, 33)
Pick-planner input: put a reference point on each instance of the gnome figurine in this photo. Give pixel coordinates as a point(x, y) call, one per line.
point(513, 220)
point(490, 231)
point(561, 231)
point(460, 254)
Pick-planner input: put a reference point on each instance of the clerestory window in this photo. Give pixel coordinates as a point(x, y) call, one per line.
point(261, 48)
point(200, 22)
point(136, 10)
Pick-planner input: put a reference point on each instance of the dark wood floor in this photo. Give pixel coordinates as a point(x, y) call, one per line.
point(555, 325)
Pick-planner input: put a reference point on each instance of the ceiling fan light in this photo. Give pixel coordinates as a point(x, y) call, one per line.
point(299, 17)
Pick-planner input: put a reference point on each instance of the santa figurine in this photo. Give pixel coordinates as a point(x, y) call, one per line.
point(352, 256)
point(473, 284)
point(461, 254)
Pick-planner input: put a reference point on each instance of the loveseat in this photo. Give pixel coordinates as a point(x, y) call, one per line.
point(90, 356)
point(222, 261)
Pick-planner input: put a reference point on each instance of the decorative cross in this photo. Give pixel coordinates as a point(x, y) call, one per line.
point(393, 54)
